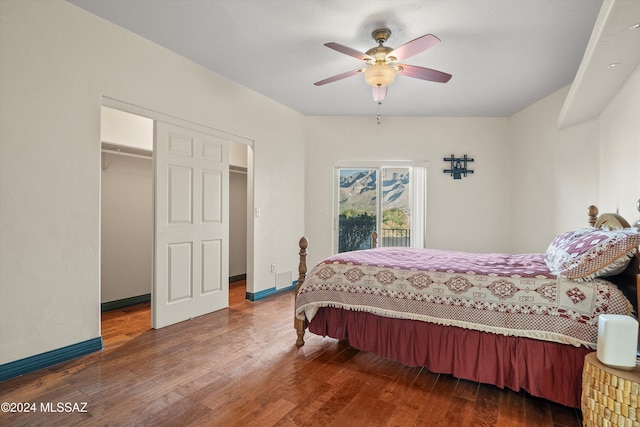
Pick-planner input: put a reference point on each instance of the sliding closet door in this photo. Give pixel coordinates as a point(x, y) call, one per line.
point(191, 276)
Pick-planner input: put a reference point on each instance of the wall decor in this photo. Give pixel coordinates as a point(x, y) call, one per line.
point(458, 167)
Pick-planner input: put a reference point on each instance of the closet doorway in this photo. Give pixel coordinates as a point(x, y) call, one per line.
point(127, 212)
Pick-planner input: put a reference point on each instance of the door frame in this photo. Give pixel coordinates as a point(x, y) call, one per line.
point(157, 116)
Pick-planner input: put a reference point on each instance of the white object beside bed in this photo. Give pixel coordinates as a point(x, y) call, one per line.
point(617, 341)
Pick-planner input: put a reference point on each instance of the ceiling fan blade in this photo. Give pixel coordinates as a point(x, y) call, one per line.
point(348, 51)
point(337, 77)
point(424, 73)
point(379, 93)
point(414, 47)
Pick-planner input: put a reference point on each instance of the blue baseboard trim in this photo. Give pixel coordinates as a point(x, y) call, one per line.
point(49, 358)
point(267, 292)
point(125, 302)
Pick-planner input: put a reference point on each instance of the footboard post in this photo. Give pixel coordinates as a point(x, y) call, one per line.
point(592, 211)
point(299, 324)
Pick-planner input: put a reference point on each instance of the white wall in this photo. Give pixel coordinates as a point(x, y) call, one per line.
point(237, 223)
point(238, 215)
point(564, 171)
point(470, 214)
point(555, 174)
point(126, 227)
point(238, 155)
point(619, 184)
point(57, 62)
point(119, 127)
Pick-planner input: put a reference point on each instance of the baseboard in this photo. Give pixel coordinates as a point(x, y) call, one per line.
point(267, 292)
point(125, 302)
point(50, 358)
point(237, 278)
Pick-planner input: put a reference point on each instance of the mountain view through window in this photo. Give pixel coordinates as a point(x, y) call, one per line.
point(375, 199)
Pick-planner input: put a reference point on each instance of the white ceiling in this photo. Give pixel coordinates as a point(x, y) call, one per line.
point(612, 55)
point(503, 54)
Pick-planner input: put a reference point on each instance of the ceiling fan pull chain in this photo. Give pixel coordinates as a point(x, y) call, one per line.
point(378, 116)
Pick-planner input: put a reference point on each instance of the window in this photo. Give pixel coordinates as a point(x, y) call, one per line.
point(387, 199)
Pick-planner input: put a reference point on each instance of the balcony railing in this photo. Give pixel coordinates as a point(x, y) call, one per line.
point(355, 232)
point(355, 237)
point(398, 237)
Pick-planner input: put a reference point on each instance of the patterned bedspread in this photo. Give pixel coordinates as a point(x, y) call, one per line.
point(505, 294)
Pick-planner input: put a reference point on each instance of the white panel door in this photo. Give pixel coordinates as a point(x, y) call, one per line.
point(191, 262)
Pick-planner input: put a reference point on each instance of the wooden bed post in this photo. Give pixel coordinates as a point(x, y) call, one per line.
point(299, 324)
point(374, 240)
point(593, 215)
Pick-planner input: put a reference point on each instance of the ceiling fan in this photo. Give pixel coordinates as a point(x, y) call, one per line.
point(382, 62)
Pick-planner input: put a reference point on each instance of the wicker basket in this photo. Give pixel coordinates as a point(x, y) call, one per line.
point(610, 397)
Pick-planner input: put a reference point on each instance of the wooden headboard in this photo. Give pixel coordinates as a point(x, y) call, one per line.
point(629, 280)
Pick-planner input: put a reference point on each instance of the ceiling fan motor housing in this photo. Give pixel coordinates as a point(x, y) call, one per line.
point(381, 35)
point(379, 53)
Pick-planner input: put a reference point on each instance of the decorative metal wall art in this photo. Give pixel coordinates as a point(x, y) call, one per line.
point(458, 166)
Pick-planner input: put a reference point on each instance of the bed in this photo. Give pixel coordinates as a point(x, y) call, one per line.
point(524, 322)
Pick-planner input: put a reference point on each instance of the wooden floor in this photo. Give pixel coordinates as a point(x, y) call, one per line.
point(240, 366)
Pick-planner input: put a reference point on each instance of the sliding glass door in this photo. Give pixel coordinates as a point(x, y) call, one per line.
point(388, 200)
point(395, 229)
point(357, 208)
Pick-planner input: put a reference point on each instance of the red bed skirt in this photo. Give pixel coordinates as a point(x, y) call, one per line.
point(544, 369)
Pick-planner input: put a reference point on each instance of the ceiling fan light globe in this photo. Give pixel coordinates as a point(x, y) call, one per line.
point(379, 75)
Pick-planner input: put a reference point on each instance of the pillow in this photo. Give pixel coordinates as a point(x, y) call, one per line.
point(570, 235)
point(556, 252)
point(585, 254)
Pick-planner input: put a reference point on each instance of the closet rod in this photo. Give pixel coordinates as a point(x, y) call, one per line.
point(124, 153)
